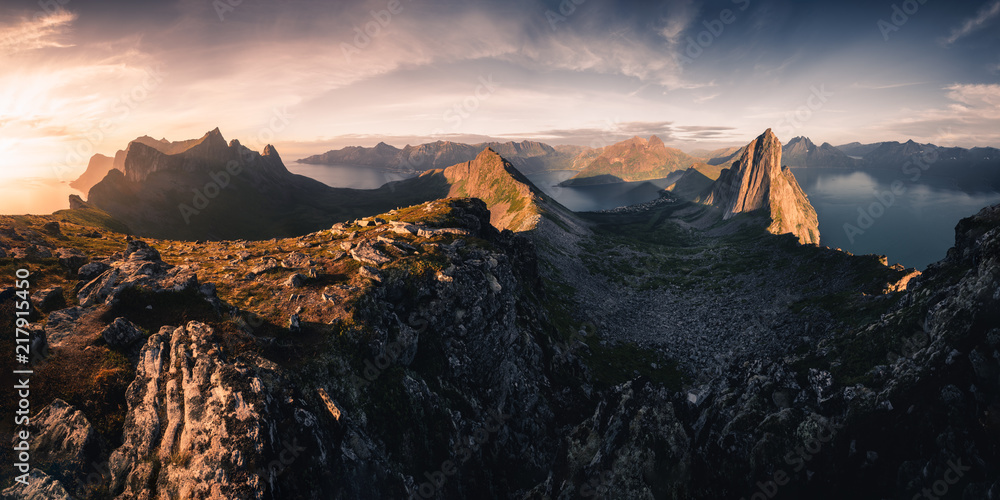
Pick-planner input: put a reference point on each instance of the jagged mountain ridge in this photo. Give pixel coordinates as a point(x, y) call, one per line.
point(801, 152)
point(527, 156)
point(100, 165)
point(757, 181)
point(515, 203)
point(468, 332)
point(215, 190)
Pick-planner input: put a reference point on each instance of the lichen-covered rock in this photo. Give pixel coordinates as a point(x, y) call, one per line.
point(40, 486)
point(71, 258)
point(65, 445)
point(140, 266)
point(202, 420)
point(122, 333)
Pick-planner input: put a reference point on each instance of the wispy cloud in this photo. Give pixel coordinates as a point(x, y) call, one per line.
point(37, 32)
point(869, 86)
point(972, 118)
point(973, 24)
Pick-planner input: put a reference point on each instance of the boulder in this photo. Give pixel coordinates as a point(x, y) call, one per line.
point(122, 333)
point(61, 325)
point(366, 253)
point(296, 260)
point(71, 258)
point(52, 228)
point(48, 299)
point(40, 486)
point(88, 272)
point(296, 280)
point(139, 266)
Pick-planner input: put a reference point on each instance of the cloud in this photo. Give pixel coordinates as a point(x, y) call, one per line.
point(971, 119)
point(986, 14)
point(42, 31)
point(869, 86)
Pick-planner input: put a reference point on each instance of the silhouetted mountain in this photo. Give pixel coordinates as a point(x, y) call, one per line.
point(696, 183)
point(213, 190)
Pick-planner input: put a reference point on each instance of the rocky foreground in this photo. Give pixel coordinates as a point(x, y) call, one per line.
point(423, 353)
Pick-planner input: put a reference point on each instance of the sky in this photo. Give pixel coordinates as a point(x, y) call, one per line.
point(87, 77)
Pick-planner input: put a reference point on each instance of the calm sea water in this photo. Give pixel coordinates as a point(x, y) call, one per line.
point(36, 196)
point(349, 176)
point(914, 228)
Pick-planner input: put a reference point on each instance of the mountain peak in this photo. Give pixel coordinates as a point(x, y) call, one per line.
point(757, 182)
point(270, 151)
point(655, 142)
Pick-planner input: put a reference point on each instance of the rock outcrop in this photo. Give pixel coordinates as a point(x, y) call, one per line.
point(139, 266)
point(197, 425)
point(758, 182)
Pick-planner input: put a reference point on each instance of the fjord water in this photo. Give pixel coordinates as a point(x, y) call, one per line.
point(579, 199)
point(348, 176)
point(597, 197)
point(914, 228)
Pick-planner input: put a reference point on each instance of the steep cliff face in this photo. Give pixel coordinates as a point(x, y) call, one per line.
point(758, 182)
point(98, 167)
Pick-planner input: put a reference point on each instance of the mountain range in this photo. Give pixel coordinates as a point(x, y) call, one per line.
point(528, 156)
point(635, 159)
point(488, 343)
point(208, 189)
